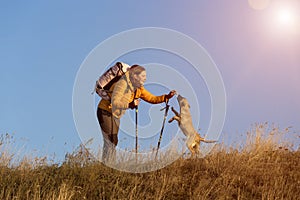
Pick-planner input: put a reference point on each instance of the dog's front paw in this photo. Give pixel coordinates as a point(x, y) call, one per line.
point(170, 120)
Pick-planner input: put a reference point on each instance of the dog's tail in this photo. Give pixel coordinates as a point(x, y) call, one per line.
point(208, 141)
point(201, 139)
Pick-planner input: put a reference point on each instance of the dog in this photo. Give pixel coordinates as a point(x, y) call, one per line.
point(184, 119)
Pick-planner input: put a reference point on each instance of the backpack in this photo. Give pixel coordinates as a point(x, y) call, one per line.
point(108, 78)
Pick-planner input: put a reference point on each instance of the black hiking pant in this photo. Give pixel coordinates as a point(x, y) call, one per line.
point(110, 128)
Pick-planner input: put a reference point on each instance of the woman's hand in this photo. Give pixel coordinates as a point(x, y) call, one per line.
point(134, 103)
point(171, 94)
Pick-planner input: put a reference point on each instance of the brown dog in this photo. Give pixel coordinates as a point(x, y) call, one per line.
point(185, 123)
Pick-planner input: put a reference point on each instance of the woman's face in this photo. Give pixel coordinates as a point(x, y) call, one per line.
point(140, 79)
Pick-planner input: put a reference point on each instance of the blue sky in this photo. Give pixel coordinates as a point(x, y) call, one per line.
point(43, 44)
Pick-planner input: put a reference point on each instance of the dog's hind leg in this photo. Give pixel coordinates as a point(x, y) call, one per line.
point(194, 149)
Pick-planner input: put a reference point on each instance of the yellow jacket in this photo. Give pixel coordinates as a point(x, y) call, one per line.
point(123, 93)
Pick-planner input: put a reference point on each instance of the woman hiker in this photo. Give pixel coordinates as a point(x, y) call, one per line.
point(125, 94)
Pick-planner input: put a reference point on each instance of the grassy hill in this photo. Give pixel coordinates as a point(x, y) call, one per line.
point(262, 169)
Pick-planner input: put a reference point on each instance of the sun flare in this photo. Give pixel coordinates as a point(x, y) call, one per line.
point(285, 17)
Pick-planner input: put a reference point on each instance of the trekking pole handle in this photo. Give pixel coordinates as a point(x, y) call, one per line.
point(136, 103)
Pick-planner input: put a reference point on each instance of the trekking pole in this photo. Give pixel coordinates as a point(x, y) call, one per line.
point(163, 125)
point(136, 132)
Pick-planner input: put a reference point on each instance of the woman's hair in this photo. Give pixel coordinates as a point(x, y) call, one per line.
point(135, 69)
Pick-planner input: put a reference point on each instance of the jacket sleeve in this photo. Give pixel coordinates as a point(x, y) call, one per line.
point(118, 99)
point(150, 98)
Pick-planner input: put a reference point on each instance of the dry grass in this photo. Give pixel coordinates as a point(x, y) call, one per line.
point(264, 168)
